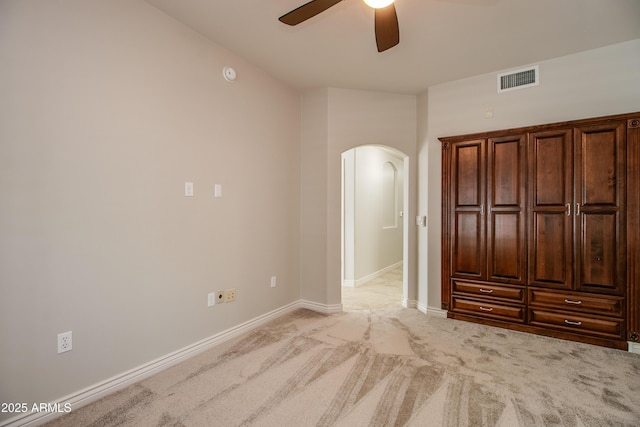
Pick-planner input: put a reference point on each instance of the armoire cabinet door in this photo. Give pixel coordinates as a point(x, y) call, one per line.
point(505, 213)
point(551, 204)
point(599, 208)
point(467, 205)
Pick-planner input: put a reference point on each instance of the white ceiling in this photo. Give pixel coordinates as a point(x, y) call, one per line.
point(440, 40)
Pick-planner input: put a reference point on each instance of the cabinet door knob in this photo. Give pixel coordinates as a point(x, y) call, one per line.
point(568, 209)
point(575, 302)
point(572, 323)
point(577, 209)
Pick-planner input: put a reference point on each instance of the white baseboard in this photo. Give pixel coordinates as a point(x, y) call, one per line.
point(434, 311)
point(350, 283)
point(407, 303)
point(118, 382)
point(431, 311)
point(321, 308)
point(634, 347)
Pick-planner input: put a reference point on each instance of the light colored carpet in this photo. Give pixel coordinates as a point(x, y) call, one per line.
point(393, 367)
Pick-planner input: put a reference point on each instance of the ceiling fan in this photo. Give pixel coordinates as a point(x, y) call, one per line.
point(386, 19)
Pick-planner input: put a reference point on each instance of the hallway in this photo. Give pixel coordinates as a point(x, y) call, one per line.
point(383, 292)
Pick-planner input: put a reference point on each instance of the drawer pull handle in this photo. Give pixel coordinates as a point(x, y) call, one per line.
point(486, 309)
point(575, 302)
point(486, 291)
point(569, 322)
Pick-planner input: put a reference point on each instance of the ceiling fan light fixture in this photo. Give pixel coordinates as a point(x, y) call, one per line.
point(378, 4)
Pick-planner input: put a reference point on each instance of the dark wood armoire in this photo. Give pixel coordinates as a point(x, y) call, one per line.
point(541, 229)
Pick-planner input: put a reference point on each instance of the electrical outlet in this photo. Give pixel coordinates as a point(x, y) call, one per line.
point(65, 342)
point(273, 281)
point(230, 295)
point(220, 297)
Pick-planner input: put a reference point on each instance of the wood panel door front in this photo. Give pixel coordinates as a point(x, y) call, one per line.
point(506, 234)
point(551, 203)
point(468, 249)
point(599, 210)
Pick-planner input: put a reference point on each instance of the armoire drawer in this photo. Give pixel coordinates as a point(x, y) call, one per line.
point(490, 310)
point(485, 290)
point(577, 323)
point(584, 303)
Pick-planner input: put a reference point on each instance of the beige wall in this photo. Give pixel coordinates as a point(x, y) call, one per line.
point(313, 196)
point(106, 109)
point(589, 84)
point(334, 121)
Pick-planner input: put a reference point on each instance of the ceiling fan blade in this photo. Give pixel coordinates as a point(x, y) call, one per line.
point(307, 11)
point(387, 30)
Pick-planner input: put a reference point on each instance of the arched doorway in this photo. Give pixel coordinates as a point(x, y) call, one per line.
point(374, 199)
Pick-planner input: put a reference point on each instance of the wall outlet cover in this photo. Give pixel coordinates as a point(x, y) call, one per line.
point(65, 342)
point(220, 297)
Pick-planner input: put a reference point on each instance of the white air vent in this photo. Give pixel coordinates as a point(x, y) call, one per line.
point(518, 79)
